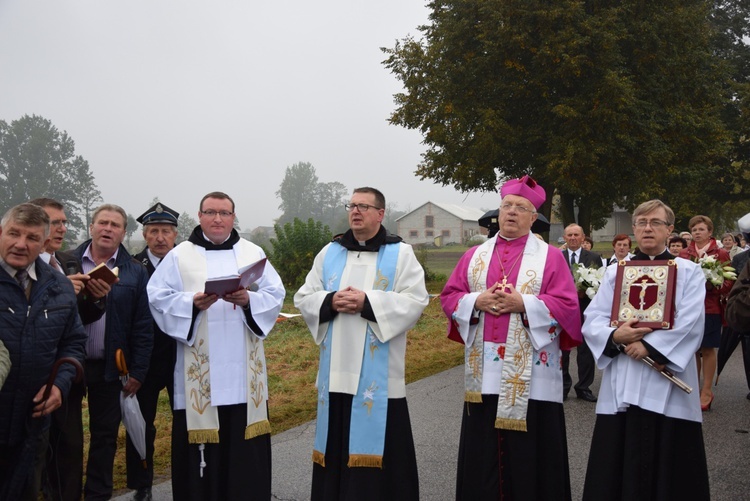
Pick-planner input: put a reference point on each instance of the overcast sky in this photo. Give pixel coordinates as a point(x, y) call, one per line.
point(178, 98)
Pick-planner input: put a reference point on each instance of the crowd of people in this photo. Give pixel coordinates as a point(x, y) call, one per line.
point(512, 302)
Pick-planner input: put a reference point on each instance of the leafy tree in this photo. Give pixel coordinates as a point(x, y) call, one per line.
point(295, 247)
point(726, 197)
point(298, 192)
point(331, 198)
point(88, 196)
point(304, 196)
point(185, 226)
point(37, 160)
point(130, 229)
point(391, 215)
point(603, 101)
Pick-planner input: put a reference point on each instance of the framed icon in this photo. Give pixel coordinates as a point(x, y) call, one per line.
point(644, 290)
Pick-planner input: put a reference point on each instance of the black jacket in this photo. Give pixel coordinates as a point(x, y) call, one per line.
point(129, 324)
point(36, 333)
point(164, 350)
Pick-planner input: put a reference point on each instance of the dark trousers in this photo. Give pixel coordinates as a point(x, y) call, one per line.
point(586, 366)
point(158, 377)
point(104, 423)
point(20, 467)
point(64, 462)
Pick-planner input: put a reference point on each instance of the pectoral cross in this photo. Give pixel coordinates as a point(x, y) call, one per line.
point(504, 283)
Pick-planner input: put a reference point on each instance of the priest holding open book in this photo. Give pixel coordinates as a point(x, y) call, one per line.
point(648, 439)
point(221, 436)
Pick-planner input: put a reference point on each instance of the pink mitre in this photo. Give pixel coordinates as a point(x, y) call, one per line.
point(527, 188)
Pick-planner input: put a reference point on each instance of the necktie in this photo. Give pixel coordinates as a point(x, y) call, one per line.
point(22, 279)
point(53, 263)
point(572, 258)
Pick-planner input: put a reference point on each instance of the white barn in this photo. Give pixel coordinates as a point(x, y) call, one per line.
point(440, 224)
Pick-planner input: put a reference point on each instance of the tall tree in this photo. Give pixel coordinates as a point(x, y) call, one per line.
point(130, 229)
point(726, 197)
point(185, 226)
point(298, 192)
point(331, 198)
point(303, 196)
point(603, 101)
point(37, 160)
point(87, 196)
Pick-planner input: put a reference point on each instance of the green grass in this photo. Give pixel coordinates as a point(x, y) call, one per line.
point(292, 360)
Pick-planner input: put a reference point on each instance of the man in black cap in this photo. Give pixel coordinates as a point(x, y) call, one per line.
point(160, 232)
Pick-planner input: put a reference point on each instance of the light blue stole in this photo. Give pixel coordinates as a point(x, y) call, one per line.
point(370, 404)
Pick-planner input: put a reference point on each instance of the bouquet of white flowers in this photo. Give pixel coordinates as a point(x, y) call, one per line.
point(715, 271)
point(588, 280)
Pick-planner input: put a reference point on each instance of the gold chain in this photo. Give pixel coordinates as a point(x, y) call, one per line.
point(500, 261)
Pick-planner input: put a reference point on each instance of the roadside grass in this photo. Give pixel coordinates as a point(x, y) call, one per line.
point(292, 359)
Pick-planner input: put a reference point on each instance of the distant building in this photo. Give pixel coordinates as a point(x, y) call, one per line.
point(619, 222)
point(440, 224)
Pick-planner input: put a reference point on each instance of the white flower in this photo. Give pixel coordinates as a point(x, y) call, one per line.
point(716, 272)
point(588, 280)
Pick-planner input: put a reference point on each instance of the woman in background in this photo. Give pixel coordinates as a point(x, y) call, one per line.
point(702, 245)
point(730, 245)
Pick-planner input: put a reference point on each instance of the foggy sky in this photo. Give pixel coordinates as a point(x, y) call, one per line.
point(178, 98)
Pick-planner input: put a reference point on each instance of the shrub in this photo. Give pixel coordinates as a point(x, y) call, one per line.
point(295, 247)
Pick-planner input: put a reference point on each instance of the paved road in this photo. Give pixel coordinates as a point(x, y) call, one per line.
point(435, 407)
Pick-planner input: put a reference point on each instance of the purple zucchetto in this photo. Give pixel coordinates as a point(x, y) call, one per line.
point(527, 188)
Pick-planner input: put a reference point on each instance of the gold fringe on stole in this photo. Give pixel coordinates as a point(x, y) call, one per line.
point(474, 397)
point(257, 429)
point(203, 436)
point(510, 424)
point(365, 460)
point(319, 458)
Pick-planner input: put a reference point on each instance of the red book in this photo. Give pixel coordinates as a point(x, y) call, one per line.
point(104, 273)
point(245, 277)
point(645, 290)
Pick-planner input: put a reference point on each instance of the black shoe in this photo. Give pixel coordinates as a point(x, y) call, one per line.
point(143, 494)
point(748, 396)
point(586, 395)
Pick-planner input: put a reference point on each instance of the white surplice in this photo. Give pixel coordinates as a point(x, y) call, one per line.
point(172, 309)
point(626, 381)
point(396, 312)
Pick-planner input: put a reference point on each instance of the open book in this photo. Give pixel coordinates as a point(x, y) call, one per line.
point(246, 276)
point(103, 273)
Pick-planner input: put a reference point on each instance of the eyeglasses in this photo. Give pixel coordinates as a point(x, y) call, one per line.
point(212, 213)
point(360, 207)
point(59, 222)
point(654, 223)
point(518, 208)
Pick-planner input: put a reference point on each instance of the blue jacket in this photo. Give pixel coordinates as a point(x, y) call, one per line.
point(128, 321)
point(36, 332)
